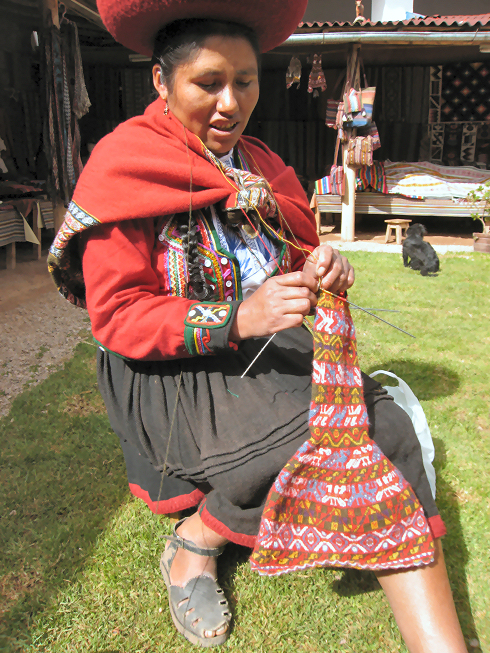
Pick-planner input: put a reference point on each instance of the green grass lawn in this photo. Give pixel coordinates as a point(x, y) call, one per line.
point(79, 556)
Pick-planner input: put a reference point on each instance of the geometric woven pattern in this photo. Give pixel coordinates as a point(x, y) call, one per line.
point(465, 92)
point(339, 501)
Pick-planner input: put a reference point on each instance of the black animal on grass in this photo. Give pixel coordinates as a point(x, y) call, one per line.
point(417, 254)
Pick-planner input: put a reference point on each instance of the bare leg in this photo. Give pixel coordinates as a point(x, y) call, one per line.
point(423, 606)
point(187, 565)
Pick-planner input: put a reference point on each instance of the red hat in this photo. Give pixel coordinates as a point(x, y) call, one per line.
point(135, 23)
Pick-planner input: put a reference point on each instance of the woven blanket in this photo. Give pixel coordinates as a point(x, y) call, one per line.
point(366, 176)
point(339, 501)
point(424, 179)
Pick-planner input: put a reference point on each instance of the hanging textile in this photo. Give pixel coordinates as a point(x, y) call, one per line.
point(64, 104)
point(317, 76)
point(339, 501)
point(465, 92)
point(293, 73)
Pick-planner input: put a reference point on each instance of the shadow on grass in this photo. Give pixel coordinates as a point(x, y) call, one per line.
point(427, 380)
point(62, 479)
point(354, 582)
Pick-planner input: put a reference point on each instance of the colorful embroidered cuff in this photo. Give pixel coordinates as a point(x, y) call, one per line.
point(207, 326)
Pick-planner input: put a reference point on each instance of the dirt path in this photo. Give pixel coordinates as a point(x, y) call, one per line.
point(39, 329)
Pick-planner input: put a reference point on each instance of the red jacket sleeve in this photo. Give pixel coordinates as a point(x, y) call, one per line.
point(131, 312)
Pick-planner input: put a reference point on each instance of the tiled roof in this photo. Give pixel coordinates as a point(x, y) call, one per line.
point(477, 20)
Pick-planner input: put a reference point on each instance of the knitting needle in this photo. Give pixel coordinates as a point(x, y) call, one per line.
point(373, 315)
point(386, 310)
point(354, 306)
point(257, 355)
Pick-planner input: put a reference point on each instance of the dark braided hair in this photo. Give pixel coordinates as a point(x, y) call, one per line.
point(197, 286)
point(176, 44)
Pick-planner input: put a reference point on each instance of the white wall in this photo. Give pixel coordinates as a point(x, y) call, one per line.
point(390, 10)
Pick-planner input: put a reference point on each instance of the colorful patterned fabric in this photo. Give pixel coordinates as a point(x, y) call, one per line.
point(323, 186)
point(465, 92)
point(423, 180)
point(211, 316)
point(372, 176)
point(337, 180)
point(339, 501)
point(64, 263)
point(203, 332)
point(254, 192)
point(331, 113)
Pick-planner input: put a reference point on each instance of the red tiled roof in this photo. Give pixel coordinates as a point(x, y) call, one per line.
point(481, 20)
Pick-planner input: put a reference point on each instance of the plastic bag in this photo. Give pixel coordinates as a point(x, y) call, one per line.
point(404, 397)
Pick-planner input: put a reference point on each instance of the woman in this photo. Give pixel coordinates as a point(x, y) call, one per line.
point(176, 267)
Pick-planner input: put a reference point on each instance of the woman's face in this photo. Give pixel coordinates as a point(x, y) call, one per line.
point(214, 94)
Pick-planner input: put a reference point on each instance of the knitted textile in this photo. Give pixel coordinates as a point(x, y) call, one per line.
point(339, 501)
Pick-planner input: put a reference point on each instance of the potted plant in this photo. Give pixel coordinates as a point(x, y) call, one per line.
point(480, 199)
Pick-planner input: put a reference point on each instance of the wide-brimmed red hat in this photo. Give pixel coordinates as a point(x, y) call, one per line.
point(135, 23)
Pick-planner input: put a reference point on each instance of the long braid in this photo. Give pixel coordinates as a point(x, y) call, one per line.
point(198, 288)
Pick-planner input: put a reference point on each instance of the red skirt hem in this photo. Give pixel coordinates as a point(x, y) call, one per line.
point(224, 531)
point(167, 506)
point(437, 526)
point(184, 501)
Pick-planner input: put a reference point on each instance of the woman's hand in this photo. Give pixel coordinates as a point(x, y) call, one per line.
point(280, 303)
point(327, 266)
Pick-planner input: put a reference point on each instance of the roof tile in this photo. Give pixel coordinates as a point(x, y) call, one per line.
point(482, 20)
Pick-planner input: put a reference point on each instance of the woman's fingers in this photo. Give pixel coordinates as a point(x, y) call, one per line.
point(340, 277)
point(334, 270)
point(280, 303)
point(297, 280)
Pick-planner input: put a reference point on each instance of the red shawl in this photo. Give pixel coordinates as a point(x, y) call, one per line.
point(142, 170)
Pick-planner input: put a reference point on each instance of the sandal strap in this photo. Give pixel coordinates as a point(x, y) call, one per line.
point(190, 546)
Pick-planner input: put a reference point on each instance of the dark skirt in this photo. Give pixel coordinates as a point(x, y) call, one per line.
point(222, 440)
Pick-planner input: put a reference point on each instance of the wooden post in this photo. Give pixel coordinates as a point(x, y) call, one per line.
point(11, 256)
point(37, 225)
point(348, 226)
point(49, 7)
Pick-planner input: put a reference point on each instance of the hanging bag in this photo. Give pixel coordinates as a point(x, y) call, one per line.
point(331, 116)
point(360, 151)
point(359, 102)
point(337, 173)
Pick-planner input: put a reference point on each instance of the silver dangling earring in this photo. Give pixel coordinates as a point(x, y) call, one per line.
point(166, 109)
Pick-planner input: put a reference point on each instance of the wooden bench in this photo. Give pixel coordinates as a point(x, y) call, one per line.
point(381, 204)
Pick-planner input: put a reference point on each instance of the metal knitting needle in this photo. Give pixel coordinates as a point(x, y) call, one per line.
point(386, 310)
point(257, 355)
point(373, 315)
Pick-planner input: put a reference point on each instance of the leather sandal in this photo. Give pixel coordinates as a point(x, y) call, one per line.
point(200, 605)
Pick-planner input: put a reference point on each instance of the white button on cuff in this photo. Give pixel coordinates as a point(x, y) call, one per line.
point(224, 261)
point(229, 284)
